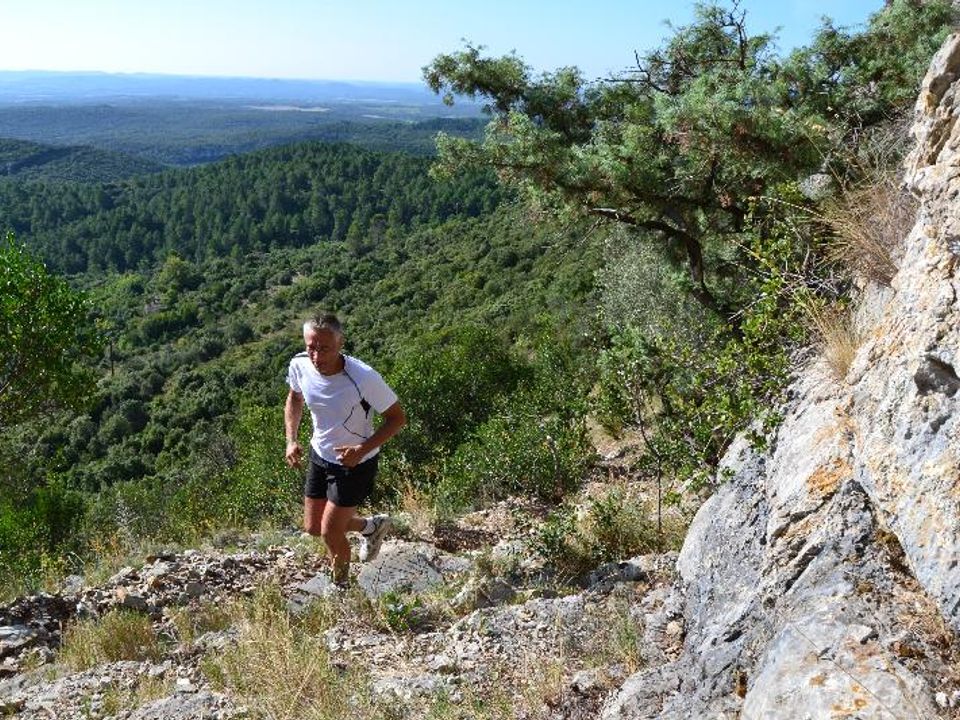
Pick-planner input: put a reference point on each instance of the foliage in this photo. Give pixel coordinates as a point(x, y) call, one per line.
point(861, 79)
point(679, 146)
point(46, 336)
point(612, 526)
point(534, 441)
point(689, 391)
point(26, 160)
point(448, 381)
point(254, 488)
point(293, 196)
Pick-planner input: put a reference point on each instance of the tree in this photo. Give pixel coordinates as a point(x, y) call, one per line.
point(679, 146)
point(46, 334)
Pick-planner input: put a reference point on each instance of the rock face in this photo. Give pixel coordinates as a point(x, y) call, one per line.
point(823, 580)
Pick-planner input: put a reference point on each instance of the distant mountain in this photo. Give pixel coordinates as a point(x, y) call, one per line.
point(24, 160)
point(177, 120)
point(42, 87)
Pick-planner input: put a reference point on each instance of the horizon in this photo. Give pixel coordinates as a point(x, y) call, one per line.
point(305, 40)
point(184, 76)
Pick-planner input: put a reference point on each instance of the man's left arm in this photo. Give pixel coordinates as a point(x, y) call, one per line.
point(394, 418)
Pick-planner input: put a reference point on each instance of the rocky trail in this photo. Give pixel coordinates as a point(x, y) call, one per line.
point(419, 621)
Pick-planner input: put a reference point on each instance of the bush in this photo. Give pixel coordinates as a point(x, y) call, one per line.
point(246, 482)
point(448, 384)
point(36, 535)
point(692, 390)
point(534, 443)
point(613, 526)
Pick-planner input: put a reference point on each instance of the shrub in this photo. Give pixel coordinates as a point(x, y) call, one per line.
point(36, 536)
point(534, 443)
point(614, 526)
point(836, 335)
point(871, 216)
point(448, 384)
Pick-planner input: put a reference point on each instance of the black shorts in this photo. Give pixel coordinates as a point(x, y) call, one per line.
point(343, 486)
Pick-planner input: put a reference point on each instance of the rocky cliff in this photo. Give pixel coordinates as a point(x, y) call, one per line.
point(823, 580)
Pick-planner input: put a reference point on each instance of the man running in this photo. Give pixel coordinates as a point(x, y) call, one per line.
point(341, 393)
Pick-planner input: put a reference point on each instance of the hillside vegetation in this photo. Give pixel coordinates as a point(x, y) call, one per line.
point(652, 258)
point(31, 161)
point(188, 133)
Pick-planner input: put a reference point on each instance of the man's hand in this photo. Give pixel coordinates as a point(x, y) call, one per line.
point(349, 455)
point(294, 454)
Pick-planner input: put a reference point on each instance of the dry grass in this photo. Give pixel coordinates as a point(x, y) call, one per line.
point(110, 553)
point(192, 622)
point(281, 667)
point(837, 336)
point(118, 698)
point(417, 511)
point(118, 635)
point(870, 222)
point(618, 641)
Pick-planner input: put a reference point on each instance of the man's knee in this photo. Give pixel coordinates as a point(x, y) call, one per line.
point(336, 541)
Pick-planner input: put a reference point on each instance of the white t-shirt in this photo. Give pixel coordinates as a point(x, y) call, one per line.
point(335, 402)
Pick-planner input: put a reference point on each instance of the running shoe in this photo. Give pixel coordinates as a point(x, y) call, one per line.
point(370, 542)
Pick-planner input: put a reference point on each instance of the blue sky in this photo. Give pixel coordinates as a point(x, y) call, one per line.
point(361, 39)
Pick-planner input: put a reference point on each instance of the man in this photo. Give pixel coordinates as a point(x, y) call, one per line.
point(340, 392)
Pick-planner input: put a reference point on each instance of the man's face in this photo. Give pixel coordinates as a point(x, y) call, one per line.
point(323, 347)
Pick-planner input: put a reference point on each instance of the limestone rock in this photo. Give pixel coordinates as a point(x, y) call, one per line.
point(409, 566)
point(815, 583)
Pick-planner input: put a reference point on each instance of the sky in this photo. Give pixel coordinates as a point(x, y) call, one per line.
point(374, 40)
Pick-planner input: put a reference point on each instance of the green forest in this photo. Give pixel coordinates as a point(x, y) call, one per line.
point(647, 254)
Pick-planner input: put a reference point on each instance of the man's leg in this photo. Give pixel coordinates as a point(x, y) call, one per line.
point(336, 522)
point(313, 515)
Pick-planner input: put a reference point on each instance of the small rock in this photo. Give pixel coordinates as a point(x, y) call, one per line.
point(442, 664)
point(85, 610)
point(123, 574)
point(133, 602)
point(15, 637)
point(195, 589)
point(319, 586)
point(71, 585)
point(184, 685)
point(942, 699)
point(586, 682)
point(673, 629)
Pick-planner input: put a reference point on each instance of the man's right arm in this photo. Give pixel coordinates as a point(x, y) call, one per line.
point(292, 413)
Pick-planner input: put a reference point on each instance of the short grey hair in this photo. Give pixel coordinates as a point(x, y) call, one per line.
point(324, 321)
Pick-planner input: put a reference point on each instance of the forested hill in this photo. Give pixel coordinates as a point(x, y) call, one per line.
point(291, 196)
point(191, 133)
point(32, 161)
point(199, 280)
